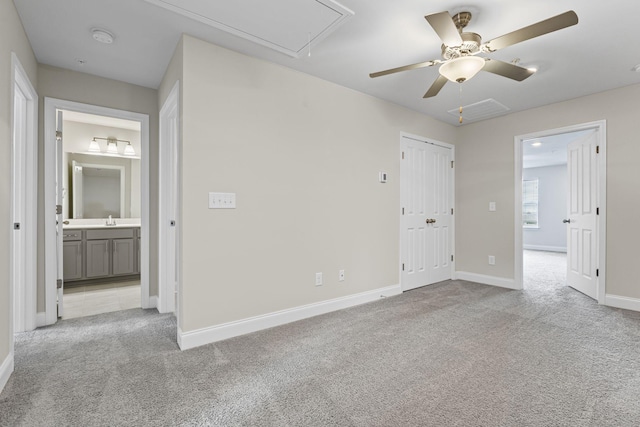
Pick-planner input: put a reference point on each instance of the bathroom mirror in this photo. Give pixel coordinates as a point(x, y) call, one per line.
point(99, 186)
point(98, 190)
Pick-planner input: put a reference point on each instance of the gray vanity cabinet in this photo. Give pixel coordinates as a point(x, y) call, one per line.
point(123, 256)
point(100, 253)
point(97, 258)
point(72, 255)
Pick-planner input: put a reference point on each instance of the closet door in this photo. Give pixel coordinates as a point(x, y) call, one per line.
point(426, 213)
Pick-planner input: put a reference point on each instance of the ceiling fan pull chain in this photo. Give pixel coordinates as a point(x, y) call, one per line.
point(460, 120)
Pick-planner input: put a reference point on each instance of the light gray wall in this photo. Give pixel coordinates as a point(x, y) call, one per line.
point(485, 172)
point(551, 233)
point(12, 39)
point(79, 87)
point(303, 157)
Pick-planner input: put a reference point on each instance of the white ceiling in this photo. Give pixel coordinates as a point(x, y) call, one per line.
point(549, 150)
point(596, 55)
point(92, 119)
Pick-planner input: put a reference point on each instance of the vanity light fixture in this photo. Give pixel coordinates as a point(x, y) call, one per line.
point(112, 146)
point(128, 150)
point(93, 146)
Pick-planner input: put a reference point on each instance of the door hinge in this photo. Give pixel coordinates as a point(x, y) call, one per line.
point(451, 164)
point(402, 211)
point(451, 258)
point(59, 283)
point(58, 209)
point(597, 149)
point(597, 272)
point(58, 135)
point(402, 266)
point(451, 211)
point(597, 211)
point(403, 155)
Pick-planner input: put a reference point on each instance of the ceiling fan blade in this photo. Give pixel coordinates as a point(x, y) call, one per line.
point(436, 86)
point(445, 28)
point(505, 69)
point(550, 25)
point(405, 68)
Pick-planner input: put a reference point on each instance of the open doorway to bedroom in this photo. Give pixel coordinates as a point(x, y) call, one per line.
point(559, 221)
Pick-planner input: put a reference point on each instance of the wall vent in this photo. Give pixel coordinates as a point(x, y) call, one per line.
point(481, 110)
point(287, 26)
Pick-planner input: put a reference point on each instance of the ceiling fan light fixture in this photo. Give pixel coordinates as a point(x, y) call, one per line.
point(461, 69)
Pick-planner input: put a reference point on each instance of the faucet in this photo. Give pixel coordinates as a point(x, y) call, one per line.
point(110, 222)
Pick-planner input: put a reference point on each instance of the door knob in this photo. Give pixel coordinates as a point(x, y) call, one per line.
point(566, 221)
point(430, 221)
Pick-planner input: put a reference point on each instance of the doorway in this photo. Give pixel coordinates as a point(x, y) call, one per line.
point(560, 209)
point(426, 211)
point(104, 137)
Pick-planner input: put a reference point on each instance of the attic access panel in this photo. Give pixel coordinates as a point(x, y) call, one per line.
point(288, 26)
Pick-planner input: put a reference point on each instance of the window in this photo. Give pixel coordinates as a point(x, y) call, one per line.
point(530, 203)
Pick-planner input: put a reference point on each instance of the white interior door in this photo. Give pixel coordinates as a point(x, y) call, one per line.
point(18, 244)
point(582, 234)
point(168, 217)
point(59, 216)
point(426, 217)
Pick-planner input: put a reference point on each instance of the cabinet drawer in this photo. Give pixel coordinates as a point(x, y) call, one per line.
point(113, 233)
point(70, 235)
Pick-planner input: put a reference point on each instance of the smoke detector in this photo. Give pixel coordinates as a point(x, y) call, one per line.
point(102, 36)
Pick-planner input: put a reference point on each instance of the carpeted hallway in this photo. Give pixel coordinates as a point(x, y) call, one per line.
point(451, 354)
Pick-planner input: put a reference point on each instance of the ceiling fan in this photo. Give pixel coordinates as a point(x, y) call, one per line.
point(459, 49)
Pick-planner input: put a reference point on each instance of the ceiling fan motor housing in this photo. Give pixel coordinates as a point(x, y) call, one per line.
point(470, 45)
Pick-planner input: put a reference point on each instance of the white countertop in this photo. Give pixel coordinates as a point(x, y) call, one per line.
point(77, 224)
point(85, 226)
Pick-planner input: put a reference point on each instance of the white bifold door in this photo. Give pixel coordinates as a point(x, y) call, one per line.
point(581, 223)
point(426, 212)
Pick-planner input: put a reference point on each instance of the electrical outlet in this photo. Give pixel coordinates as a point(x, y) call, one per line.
point(341, 276)
point(492, 260)
point(318, 279)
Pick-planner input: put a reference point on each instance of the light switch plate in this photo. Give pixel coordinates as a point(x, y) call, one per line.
point(222, 200)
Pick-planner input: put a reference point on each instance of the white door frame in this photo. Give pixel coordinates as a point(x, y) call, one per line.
point(403, 196)
point(601, 197)
point(169, 178)
point(23, 292)
point(50, 107)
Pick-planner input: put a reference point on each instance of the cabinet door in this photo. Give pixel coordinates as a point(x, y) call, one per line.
point(97, 258)
point(72, 260)
point(123, 256)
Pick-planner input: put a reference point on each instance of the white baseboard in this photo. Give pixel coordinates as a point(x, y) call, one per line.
point(41, 319)
point(545, 248)
point(622, 302)
point(224, 331)
point(487, 280)
point(5, 370)
point(151, 303)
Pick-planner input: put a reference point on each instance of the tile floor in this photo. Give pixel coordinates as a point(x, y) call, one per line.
point(88, 300)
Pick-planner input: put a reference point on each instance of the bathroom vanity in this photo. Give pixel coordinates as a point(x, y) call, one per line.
point(100, 252)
